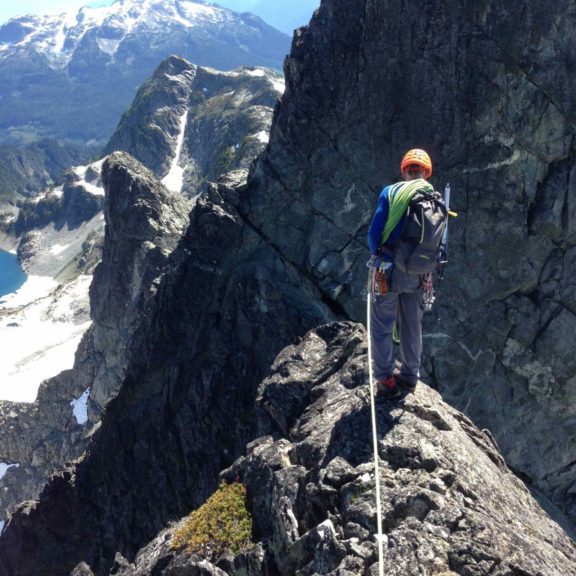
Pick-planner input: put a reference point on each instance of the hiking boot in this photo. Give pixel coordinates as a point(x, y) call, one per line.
point(388, 388)
point(410, 386)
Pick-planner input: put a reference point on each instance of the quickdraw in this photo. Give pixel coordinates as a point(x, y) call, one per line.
point(428, 292)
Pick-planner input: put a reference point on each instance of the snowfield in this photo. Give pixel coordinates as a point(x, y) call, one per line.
point(41, 326)
point(42, 323)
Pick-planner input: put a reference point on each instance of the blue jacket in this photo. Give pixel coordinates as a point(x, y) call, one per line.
point(379, 221)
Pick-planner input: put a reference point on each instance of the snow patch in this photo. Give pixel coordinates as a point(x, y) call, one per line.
point(80, 407)
point(5, 467)
point(200, 12)
point(58, 249)
point(60, 39)
point(278, 85)
point(257, 72)
point(35, 288)
point(91, 188)
point(109, 46)
point(175, 177)
point(262, 136)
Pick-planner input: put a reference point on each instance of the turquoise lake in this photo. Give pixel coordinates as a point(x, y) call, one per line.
point(11, 275)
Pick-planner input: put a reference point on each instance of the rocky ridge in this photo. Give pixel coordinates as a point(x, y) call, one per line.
point(167, 437)
point(450, 504)
point(62, 236)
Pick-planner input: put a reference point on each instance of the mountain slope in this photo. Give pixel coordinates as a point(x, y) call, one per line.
point(222, 118)
point(71, 76)
point(24, 171)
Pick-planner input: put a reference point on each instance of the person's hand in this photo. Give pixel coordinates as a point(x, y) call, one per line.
point(374, 261)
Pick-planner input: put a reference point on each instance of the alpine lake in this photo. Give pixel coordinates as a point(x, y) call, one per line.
point(11, 275)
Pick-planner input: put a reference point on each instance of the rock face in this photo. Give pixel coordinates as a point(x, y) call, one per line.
point(91, 61)
point(144, 222)
point(486, 90)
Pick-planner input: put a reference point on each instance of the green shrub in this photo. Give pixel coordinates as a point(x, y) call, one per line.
point(221, 523)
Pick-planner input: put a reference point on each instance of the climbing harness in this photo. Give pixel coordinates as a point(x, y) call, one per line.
point(379, 536)
point(378, 284)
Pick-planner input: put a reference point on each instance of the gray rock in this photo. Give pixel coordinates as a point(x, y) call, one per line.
point(190, 343)
point(262, 263)
point(449, 503)
point(145, 223)
point(82, 570)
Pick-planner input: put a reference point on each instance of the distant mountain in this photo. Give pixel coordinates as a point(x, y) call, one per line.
point(71, 76)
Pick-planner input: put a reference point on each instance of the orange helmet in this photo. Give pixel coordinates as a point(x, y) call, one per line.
point(418, 157)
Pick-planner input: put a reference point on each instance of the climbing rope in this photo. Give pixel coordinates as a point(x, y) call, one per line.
point(399, 198)
point(379, 536)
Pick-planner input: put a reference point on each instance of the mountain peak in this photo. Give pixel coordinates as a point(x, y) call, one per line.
point(58, 37)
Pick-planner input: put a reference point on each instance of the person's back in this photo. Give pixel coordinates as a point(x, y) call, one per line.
point(400, 289)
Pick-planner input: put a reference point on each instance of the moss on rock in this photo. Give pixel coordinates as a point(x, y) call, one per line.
point(221, 523)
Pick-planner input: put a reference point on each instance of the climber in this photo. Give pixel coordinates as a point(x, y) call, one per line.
point(400, 292)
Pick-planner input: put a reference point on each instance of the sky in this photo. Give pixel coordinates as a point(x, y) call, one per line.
point(10, 9)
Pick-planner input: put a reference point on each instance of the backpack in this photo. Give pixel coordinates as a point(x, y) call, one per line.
point(416, 251)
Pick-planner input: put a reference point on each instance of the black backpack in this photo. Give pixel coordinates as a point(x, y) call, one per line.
point(416, 251)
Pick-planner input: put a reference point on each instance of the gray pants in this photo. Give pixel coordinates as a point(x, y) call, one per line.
point(402, 304)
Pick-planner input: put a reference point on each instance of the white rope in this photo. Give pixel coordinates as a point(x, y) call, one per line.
point(379, 536)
